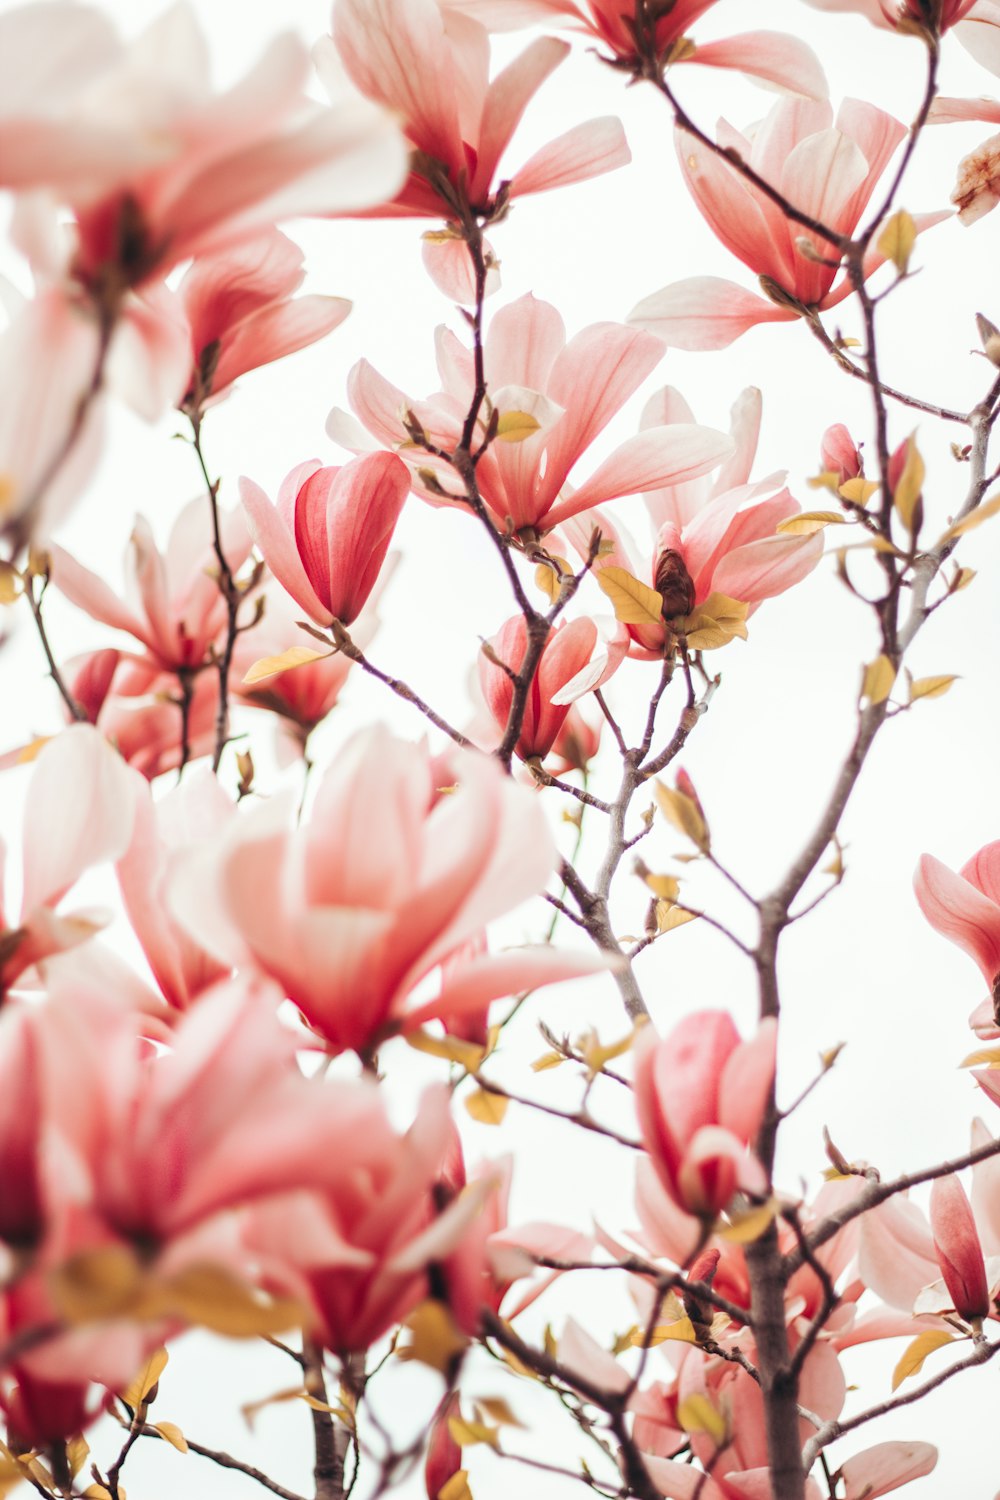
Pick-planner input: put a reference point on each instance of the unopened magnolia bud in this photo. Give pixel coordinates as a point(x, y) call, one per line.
point(675, 585)
point(989, 335)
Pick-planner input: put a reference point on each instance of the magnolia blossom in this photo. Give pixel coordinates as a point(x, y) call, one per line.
point(825, 169)
point(966, 909)
point(567, 391)
point(959, 1252)
point(141, 711)
point(172, 601)
point(431, 67)
point(902, 14)
point(700, 1095)
point(404, 858)
point(768, 55)
point(566, 651)
point(326, 539)
point(977, 189)
point(241, 312)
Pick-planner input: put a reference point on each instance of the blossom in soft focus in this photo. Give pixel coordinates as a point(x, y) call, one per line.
point(141, 711)
point(965, 907)
point(326, 539)
point(700, 1095)
point(242, 313)
point(568, 391)
point(904, 14)
point(171, 603)
point(431, 67)
point(825, 168)
point(404, 858)
point(771, 56)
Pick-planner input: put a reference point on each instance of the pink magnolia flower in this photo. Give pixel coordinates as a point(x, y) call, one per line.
point(431, 67)
point(172, 601)
point(768, 55)
point(959, 1252)
point(326, 539)
point(242, 313)
point(828, 170)
point(196, 810)
point(840, 454)
point(444, 1456)
point(404, 858)
point(700, 1096)
point(139, 710)
point(966, 909)
point(570, 390)
point(977, 188)
point(901, 14)
point(707, 537)
point(567, 650)
point(360, 1252)
point(77, 813)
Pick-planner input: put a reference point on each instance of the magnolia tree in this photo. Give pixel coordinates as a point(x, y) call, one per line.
point(264, 1103)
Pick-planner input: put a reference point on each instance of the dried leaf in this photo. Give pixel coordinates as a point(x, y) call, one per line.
point(897, 239)
point(172, 1434)
point(684, 813)
point(139, 1388)
point(879, 676)
point(270, 666)
point(546, 1061)
point(634, 602)
point(931, 687)
point(808, 522)
point(915, 1353)
point(908, 490)
point(468, 1055)
point(466, 1434)
point(972, 520)
point(486, 1107)
point(435, 1339)
point(988, 1057)
point(497, 1409)
point(456, 1488)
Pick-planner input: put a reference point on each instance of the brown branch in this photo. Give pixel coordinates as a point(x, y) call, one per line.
point(227, 1461)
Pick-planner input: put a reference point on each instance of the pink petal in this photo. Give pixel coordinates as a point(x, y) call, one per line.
point(886, 1466)
point(770, 55)
point(277, 545)
point(745, 1085)
point(523, 342)
point(705, 312)
point(449, 265)
point(945, 111)
point(91, 594)
point(585, 151)
point(896, 1258)
point(655, 457)
point(499, 974)
point(760, 570)
point(275, 332)
point(960, 913)
point(506, 100)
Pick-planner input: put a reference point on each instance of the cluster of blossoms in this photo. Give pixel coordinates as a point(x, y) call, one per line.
point(210, 1142)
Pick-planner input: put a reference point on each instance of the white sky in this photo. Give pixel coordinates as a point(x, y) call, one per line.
point(867, 969)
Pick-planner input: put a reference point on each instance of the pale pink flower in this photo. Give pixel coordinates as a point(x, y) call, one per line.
point(403, 859)
point(965, 908)
point(77, 813)
point(571, 390)
point(242, 313)
point(840, 454)
point(431, 67)
point(771, 56)
point(903, 14)
point(977, 188)
point(825, 169)
point(172, 601)
point(700, 1095)
point(326, 539)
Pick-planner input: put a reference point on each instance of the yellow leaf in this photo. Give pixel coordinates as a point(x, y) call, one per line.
point(714, 623)
point(876, 685)
point(666, 887)
point(466, 1434)
point(96, 1285)
point(468, 1055)
point(682, 1332)
point(435, 1339)
point(487, 1108)
point(627, 1340)
point(546, 1061)
point(172, 1434)
point(98, 1492)
point(77, 1453)
point(743, 1228)
point(858, 490)
point(270, 666)
point(456, 1488)
point(138, 1389)
point(808, 522)
point(595, 1054)
point(825, 481)
point(930, 687)
point(962, 579)
point(982, 1057)
point(634, 603)
point(972, 520)
point(908, 489)
point(497, 1409)
point(669, 916)
point(11, 583)
point(684, 813)
point(337, 1410)
point(515, 426)
point(697, 1414)
point(250, 1410)
point(212, 1298)
point(897, 239)
point(548, 579)
point(913, 1357)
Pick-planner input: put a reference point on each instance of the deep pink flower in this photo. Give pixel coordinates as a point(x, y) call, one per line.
point(326, 539)
point(700, 1095)
point(566, 652)
point(959, 1252)
point(839, 454)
